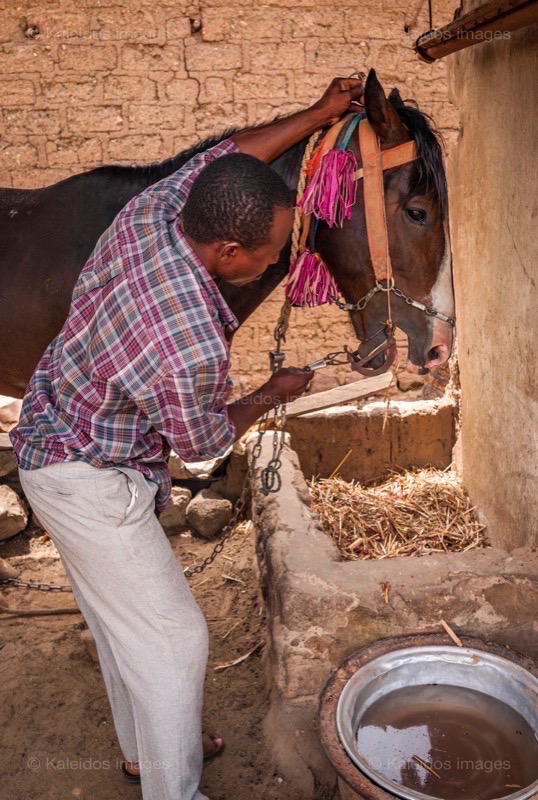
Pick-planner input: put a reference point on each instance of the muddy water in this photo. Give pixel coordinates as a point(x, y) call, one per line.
point(477, 748)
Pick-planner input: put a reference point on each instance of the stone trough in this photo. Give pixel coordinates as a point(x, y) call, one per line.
point(321, 609)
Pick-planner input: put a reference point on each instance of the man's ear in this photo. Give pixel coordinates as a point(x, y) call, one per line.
point(227, 251)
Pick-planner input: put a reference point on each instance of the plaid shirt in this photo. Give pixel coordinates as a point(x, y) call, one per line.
point(141, 364)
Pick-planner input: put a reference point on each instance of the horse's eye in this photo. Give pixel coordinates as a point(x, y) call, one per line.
point(416, 215)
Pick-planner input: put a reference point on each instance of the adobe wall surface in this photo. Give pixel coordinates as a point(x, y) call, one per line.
point(320, 610)
point(128, 81)
point(494, 216)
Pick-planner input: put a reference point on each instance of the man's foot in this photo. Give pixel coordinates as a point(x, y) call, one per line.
point(213, 745)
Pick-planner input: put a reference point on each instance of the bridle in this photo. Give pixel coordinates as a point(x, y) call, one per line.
point(374, 162)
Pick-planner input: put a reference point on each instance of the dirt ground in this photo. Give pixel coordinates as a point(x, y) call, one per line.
point(58, 740)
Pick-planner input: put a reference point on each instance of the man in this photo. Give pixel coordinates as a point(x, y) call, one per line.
point(141, 366)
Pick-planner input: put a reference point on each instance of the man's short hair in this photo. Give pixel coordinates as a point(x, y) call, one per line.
point(234, 199)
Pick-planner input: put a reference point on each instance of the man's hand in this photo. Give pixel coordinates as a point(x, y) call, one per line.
point(267, 142)
point(342, 96)
point(288, 383)
point(283, 386)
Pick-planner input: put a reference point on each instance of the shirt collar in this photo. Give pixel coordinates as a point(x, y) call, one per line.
point(204, 279)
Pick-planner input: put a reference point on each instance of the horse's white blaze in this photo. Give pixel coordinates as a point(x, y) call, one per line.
point(443, 299)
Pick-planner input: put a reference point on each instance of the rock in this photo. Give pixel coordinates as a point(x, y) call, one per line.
point(89, 644)
point(10, 410)
point(408, 381)
point(231, 485)
point(179, 470)
point(175, 513)
point(8, 465)
point(6, 570)
point(208, 513)
point(13, 515)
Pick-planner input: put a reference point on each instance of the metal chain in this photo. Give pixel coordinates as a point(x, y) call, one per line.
point(363, 302)
point(42, 587)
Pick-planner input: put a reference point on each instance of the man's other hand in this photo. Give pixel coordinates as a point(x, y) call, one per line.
point(288, 383)
point(341, 96)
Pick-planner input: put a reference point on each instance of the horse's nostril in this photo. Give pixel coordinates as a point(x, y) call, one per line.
point(433, 354)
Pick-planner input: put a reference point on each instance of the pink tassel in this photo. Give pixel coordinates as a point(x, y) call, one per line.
point(310, 282)
point(331, 192)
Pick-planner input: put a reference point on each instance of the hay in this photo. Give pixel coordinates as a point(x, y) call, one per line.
point(414, 513)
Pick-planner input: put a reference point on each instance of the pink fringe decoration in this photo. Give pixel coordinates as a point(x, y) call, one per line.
point(331, 192)
point(310, 282)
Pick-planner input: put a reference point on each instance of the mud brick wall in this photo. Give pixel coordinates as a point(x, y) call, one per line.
point(130, 81)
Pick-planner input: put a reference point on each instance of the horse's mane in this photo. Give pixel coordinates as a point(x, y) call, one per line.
point(430, 169)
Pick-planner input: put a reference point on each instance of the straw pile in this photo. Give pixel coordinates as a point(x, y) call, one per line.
point(411, 514)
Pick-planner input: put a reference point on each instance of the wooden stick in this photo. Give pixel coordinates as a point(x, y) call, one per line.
point(423, 764)
point(451, 633)
point(240, 659)
point(342, 462)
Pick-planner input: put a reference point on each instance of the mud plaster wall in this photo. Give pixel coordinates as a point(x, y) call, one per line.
point(494, 215)
point(129, 81)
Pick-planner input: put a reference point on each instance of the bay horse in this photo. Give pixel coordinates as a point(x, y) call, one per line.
point(47, 235)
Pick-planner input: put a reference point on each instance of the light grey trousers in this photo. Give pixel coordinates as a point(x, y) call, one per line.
point(150, 634)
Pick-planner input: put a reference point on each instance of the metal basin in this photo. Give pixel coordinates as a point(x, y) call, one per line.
point(446, 667)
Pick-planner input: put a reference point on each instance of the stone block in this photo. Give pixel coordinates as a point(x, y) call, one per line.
point(251, 87)
point(212, 119)
point(144, 118)
point(175, 513)
point(129, 87)
point(71, 90)
point(17, 156)
point(13, 514)
point(214, 88)
point(275, 57)
point(28, 121)
point(327, 24)
point(17, 92)
point(407, 434)
point(181, 90)
point(136, 148)
point(8, 465)
point(178, 28)
point(60, 24)
point(10, 410)
point(26, 57)
point(335, 59)
point(116, 24)
point(94, 118)
point(208, 513)
point(146, 57)
point(6, 570)
point(87, 58)
point(206, 56)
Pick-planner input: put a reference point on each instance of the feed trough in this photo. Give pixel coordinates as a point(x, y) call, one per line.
point(417, 719)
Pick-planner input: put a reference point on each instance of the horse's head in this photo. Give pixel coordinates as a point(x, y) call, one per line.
point(416, 218)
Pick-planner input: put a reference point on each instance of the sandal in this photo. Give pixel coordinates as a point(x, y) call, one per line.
point(213, 746)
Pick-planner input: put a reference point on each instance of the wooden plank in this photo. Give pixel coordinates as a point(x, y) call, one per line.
point(339, 395)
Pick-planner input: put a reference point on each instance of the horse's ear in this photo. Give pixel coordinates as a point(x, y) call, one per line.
point(395, 98)
point(380, 113)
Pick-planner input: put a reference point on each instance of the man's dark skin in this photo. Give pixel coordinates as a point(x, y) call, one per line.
point(231, 262)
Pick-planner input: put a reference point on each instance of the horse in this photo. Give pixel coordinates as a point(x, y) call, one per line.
point(47, 235)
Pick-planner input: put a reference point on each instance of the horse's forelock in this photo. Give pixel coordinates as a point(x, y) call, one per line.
point(431, 175)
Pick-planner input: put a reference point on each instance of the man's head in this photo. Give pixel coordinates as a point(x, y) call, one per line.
point(238, 217)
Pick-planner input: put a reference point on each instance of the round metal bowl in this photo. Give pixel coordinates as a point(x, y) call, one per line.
point(463, 667)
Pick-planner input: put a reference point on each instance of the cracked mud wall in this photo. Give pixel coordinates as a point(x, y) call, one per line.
point(130, 81)
point(494, 218)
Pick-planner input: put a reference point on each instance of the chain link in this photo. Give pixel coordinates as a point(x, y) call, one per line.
point(42, 587)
